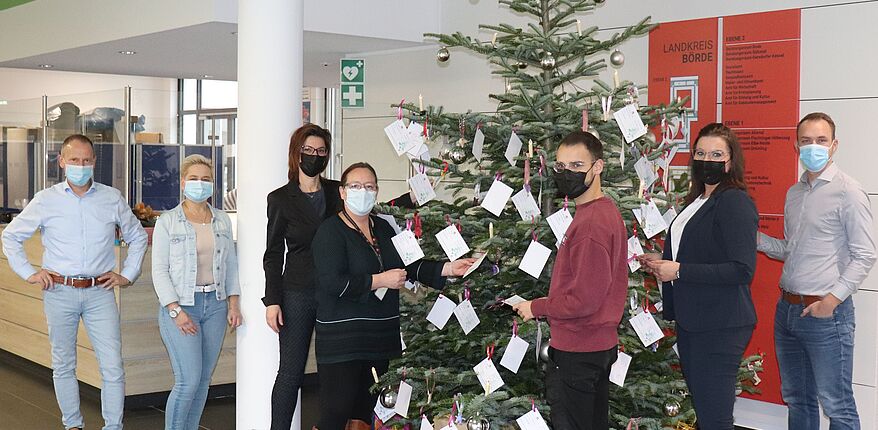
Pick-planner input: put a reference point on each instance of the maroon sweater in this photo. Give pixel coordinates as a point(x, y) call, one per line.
point(589, 281)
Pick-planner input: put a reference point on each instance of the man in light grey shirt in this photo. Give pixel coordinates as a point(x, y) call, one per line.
point(828, 251)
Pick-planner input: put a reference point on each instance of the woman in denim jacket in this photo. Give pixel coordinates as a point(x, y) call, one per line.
point(195, 275)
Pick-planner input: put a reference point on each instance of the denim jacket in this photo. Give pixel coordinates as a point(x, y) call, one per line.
point(174, 258)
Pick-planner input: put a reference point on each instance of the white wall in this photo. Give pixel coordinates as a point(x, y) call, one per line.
point(837, 76)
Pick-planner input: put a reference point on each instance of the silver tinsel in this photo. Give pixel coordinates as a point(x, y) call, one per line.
point(443, 55)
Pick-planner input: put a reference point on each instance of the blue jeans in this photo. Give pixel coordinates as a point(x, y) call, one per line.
point(64, 306)
point(815, 356)
point(193, 358)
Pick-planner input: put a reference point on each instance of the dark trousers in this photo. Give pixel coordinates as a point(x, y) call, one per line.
point(299, 310)
point(710, 361)
point(577, 388)
point(344, 392)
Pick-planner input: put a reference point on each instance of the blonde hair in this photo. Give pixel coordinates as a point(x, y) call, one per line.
point(194, 160)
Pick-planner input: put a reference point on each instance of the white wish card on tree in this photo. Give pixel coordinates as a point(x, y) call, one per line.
point(415, 132)
point(497, 196)
point(514, 353)
point(526, 205)
point(383, 413)
point(513, 149)
point(559, 222)
point(392, 221)
point(452, 242)
point(403, 399)
point(645, 171)
point(634, 249)
point(647, 329)
point(422, 188)
point(399, 137)
point(466, 316)
point(532, 421)
point(475, 265)
point(426, 424)
point(407, 247)
point(620, 369)
point(630, 123)
point(441, 311)
point(479, 144)
point(669, 216)
point(652, 221)
point(535, 259)
point(488, 375)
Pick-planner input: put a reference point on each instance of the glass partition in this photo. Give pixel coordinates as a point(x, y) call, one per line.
point(156, 148)
point(20, 143)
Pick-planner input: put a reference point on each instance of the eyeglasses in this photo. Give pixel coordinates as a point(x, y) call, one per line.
point(712, 155)
point(575, 166)
point(356, 186)
point(820, 141)
point(307, 150)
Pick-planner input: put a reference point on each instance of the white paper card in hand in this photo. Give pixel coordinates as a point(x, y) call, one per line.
point(514, 300)
point(620, 369)
point(669, 216)
point(478, 144)
point(441, 311)
point(653, 222)
point(535, 259)
point(452, 242)
point(392, 221)
point(645, 171)
point(559, 222)
point(497, 197)
point(466, 316)
point(532, 421)
point(514, 353)
point(403, 399)
point(647, 329)
point(488, 376)
point(630, 123)
point(526, 205)
point(399, 137)
point(634, 250)
point(513, 149)
point(423, 188)
point(407, 247)
point(475, 265)
point(383, 413)
point(425, 424)
point(380, 293)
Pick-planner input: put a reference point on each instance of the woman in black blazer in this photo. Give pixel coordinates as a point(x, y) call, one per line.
point(706, 269)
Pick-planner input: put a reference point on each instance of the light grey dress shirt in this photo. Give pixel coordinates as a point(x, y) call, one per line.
point(828, 246)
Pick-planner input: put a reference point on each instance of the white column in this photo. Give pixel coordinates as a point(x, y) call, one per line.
point(270, 34)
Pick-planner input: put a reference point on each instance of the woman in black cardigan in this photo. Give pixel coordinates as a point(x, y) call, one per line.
point(356, 330)
point(706, 269)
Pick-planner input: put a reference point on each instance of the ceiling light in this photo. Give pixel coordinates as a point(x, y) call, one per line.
point(45, 66)
point(127, 52)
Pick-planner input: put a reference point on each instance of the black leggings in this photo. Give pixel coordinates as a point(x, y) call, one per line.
point(344, 392)
point(299, 310)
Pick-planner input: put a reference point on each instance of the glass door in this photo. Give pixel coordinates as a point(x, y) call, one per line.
point(217, 141)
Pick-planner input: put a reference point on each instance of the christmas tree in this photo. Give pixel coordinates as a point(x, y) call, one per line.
point(546, 66)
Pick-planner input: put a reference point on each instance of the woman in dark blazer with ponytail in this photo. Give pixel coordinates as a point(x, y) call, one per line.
point(706, 269)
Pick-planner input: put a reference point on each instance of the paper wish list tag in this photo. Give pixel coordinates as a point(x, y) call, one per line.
point(513, 149)
point(401, 342)
point(415, 131)
point(634, 249)
point(441, 311)
point(535, 259)
point(645, 171)
point(514, 300)
point(620, 369)
point(380, 293)
point(466, 316)
point(478, 144)
point(475, 265)
point(425, 423)
point(532, 421)
point(407, 247)
point(669, 216)
point(422, 187)
point(647, 329)
point(488, 376)
point(399, 137)
point(652, 221)
point(497, 196)
point(526, 205)
point(392, 221)
point(514, 353)
point(559, 222)
point(419, 153)
point(403, 399)
point(630, 123)
point(383, 413)
point(452, 242)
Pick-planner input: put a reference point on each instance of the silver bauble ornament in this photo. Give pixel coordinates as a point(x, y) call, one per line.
point(457, 155)
point(544, 352)
point(522, 65)
point(617, 58)
point(738, 391)
point(445, 152)
point(594, 132)
point(672, 409)
point(443, 55)
point(387, 397)
point(477, 423)
point(599, 1)
point(548, 61)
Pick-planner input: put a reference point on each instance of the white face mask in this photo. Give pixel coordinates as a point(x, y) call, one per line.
point(361, 202)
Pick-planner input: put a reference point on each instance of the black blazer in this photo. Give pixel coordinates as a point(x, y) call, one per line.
point(292, 223)
point(717, 259)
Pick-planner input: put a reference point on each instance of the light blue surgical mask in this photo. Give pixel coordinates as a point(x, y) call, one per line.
point(814, 157)
point(361, 201)
point(78, 175)
point(198, 191)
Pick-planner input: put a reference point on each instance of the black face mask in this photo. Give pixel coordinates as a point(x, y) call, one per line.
point(709, 172)
point(313, 165)
point(572, 184)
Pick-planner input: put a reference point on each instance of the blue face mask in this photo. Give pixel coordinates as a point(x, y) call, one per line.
point(198, 191)
point(361, 202)
point(78, 175)
point(814, 157)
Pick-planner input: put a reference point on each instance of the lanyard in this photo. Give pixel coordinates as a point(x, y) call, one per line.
point(374, 244)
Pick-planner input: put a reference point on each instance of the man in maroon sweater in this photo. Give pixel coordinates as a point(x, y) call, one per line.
point(587, 292)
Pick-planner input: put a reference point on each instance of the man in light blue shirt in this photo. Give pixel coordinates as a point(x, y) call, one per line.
point(78, 219)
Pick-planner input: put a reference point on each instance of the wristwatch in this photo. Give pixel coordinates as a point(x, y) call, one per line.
point(678, 275)
point(174, 313)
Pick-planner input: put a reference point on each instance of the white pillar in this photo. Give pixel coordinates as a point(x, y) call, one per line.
point(270, 34)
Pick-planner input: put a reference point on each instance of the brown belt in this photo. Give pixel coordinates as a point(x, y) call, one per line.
point(798, 299)
point(76, 281)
